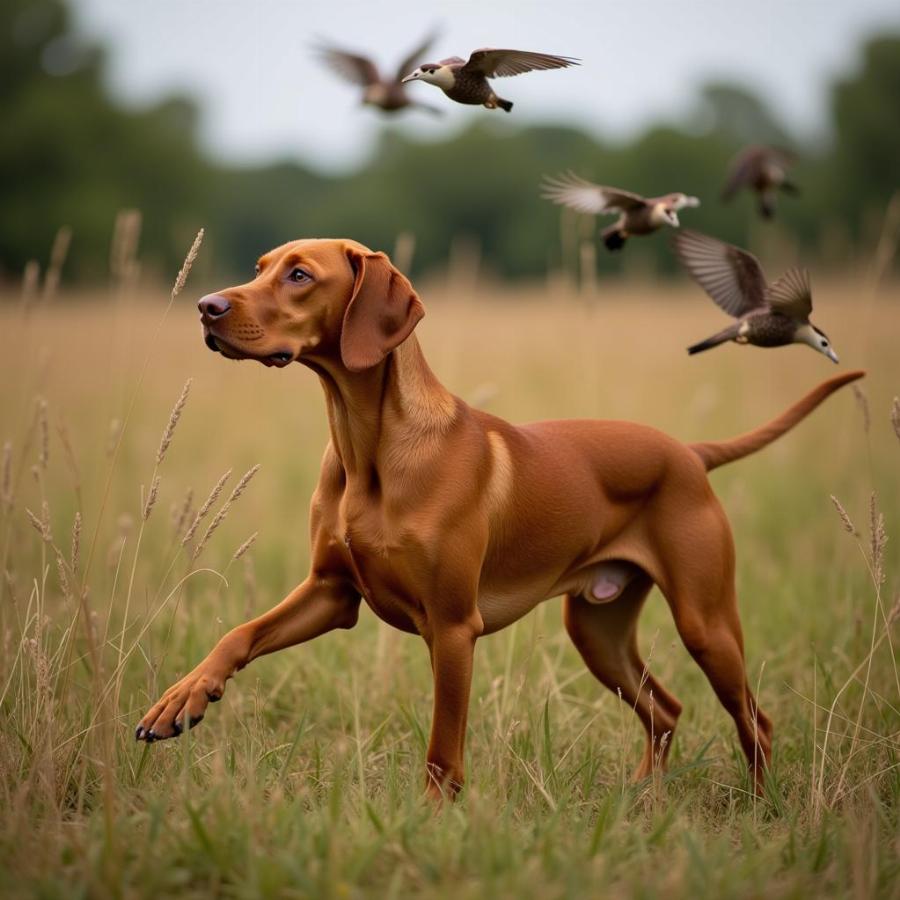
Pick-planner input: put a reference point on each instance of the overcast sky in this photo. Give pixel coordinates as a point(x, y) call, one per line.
point(263, 94)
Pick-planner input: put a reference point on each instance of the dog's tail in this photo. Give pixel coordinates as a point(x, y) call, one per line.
point(717, 453)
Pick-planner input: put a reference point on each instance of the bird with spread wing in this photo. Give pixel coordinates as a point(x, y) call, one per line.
point(466, 81)
point(387, 93)
point(763, 170)
point(637, 215)
point(768, 315)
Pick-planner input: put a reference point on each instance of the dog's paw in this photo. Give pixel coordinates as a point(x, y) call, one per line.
point(183, 705)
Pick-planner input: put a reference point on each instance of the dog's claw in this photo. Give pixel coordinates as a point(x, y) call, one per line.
point(150, 737)
point(195, 720)
point(177, 728)
point(139, 733)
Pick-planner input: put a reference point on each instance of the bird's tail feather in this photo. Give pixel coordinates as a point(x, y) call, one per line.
point(505, 105)
point(767, 204)
point(613, 238)
point(720, 337)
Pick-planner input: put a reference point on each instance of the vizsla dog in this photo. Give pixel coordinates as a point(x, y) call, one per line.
point(451, 523)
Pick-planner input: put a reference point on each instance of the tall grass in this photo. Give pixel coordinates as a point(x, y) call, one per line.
point(125, 556)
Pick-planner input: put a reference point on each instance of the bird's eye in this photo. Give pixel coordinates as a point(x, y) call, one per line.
point(299, 276)
point(824, 343)
point(257, 270)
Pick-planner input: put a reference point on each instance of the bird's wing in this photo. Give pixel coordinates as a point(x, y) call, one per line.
point(731, 276)
point(586, 197)
point(350, 66)
point(742, 170)
point(791, 294)
point(502, 63)
point(414, 56)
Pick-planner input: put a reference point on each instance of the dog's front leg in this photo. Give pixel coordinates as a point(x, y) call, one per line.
point(452, 649)
point(318, 605)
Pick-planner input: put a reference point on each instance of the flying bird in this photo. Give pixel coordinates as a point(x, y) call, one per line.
point(764, 171)
point(386, 93)
point(637, 214)
point(466, 81)
point(768, 315)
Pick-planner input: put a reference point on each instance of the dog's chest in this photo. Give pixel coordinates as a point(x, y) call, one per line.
point(376, 553)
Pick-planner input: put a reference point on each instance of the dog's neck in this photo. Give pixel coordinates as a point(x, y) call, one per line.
point(382, 417)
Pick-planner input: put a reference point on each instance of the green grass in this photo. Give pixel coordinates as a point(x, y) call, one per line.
point(306, 780)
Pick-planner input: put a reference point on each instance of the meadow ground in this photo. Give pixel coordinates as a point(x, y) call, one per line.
point(306, 780)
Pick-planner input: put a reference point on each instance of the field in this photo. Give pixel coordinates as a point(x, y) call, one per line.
point(306, 780)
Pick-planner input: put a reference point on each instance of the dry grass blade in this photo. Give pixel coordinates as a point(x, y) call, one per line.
point(6, 477)
point(61, 574)
point(245, 546)
point(112, 439)
point(41, 526)
point(181, 513)
point(849, 527)
point(877, 540)
point(174, 416)
point(58, 253)
point(863, 403)
point(895, 416)
point(188, 263)
point(31, 278)
point(76, 541)
point(241, 486)
point(44, 431)
point(123, 250)
point(151, 498)
point(219, 517)
point(207, 504)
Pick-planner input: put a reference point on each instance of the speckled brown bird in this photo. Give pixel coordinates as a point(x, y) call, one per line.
point(764, 171)
point(768, 315)
point(637, 214)
point(466, 81)
point(386, 93)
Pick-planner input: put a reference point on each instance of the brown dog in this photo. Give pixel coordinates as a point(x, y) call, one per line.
point(452, 523)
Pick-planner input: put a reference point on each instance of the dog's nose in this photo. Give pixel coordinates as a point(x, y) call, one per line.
point(213, 306)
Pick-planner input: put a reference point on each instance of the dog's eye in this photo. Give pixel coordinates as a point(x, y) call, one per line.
point(299, 276)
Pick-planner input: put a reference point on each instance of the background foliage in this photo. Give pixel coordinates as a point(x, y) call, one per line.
point(70, 155)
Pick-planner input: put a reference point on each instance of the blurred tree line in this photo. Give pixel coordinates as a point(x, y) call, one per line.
point(70, 155)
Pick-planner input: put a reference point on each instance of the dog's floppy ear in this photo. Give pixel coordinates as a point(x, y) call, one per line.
point(382, 311)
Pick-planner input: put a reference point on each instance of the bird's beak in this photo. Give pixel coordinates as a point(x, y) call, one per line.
point(691, 201)
point(410, 77)
point(832, 355)
point(673, 218)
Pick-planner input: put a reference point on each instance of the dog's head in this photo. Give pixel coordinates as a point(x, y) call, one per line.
point(314, 299)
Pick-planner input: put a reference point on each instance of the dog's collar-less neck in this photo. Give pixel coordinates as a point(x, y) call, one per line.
point(399, 400)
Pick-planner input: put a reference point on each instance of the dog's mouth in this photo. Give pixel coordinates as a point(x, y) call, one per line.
point(279, 359)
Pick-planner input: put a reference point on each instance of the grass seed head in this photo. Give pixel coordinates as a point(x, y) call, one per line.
point(201, 513)
point(188, 263)
point(849, 527)
point(151, 498)
point(76, 540)
point(174, 416)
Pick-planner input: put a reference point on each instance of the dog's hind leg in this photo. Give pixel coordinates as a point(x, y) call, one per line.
point(700, 560)
point(606, 637)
